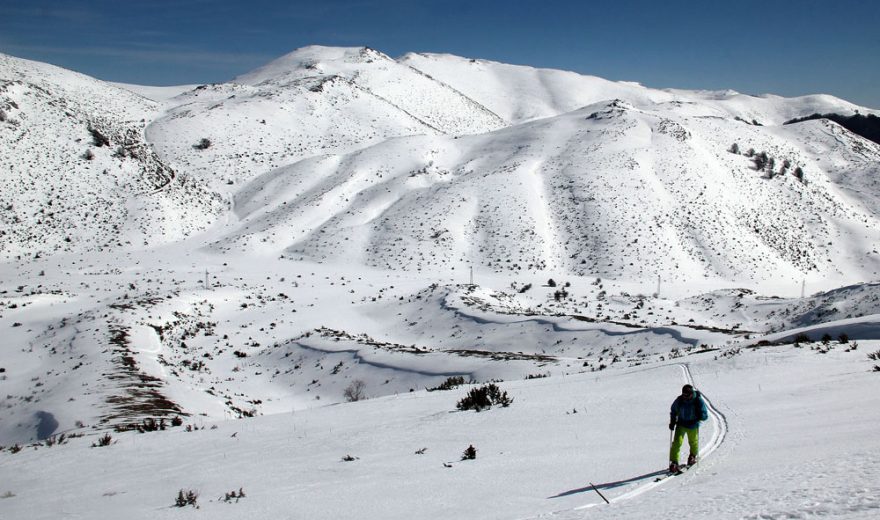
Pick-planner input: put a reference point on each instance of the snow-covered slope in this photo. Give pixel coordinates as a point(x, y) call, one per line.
point(312, 101)
point(550, 195)
point(519, 93)
point(76, 173)
point(546, 455)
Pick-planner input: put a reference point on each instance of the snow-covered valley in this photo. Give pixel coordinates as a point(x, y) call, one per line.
point(262, 286)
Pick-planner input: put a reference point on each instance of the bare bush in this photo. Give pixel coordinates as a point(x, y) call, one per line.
point(356, 391)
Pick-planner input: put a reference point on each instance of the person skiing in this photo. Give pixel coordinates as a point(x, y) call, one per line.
point(686, 412)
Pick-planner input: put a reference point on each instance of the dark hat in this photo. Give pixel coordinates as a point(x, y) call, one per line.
point(687, 390)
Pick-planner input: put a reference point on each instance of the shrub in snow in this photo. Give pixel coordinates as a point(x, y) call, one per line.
point(470, 453)
point(2, 116)
point(99, 139)
point(734, 148)
point(186, 498)
point(150, 425)
point(203, 144)
point(356, 391)
point(760, 161)
point(874, 356)
point(234, 495)
point(89, 155)
point(349, 458)
point(484, 397)
point(105, 440)
point(843, 339)
point(449, 384)
point(53, 440)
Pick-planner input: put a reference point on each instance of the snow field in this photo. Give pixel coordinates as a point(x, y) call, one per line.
point(782, 456)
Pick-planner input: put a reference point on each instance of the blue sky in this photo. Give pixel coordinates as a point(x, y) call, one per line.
point(784, 47)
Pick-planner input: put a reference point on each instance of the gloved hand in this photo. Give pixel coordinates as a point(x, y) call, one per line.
point(671, 426)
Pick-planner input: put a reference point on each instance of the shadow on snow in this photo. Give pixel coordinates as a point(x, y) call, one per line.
point(611, 485)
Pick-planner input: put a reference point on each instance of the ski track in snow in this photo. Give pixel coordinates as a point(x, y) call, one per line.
point(719, 433)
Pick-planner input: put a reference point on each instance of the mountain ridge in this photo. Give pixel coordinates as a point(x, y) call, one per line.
point(322, 109)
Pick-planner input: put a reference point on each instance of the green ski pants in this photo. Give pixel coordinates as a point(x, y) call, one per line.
point(693, 435)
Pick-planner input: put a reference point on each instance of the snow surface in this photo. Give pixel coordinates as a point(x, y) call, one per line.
point(588, 245)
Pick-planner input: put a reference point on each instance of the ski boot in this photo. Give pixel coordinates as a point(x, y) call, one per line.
point(674, 467)
point(692, 459)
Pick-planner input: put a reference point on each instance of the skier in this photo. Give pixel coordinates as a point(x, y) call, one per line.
point(686, 412)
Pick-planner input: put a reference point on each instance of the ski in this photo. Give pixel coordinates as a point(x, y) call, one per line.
point(681, 469)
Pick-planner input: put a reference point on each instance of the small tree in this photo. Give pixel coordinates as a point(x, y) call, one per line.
point(356, 391)
point(203, 144)
point(734, 148)
point(470, 453)
point(186, 498)
point(799, 173)
point(89, 155)
point(760, 161)
point(2, 116)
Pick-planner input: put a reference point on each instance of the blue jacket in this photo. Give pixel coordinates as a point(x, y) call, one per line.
point(688, 412)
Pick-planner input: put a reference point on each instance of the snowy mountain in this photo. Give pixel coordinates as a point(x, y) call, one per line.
point(197, 277)
point(548, 195)
point(77, 173)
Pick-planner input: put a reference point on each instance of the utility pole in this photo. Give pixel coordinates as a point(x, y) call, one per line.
point(803, 286)
point(472, 275)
